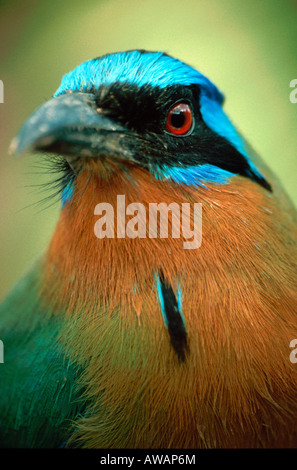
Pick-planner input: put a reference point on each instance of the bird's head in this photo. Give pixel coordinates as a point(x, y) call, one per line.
point(147, 126)
point(139, 109)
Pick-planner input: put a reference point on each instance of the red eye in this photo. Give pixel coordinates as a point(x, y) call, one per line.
point(179, 119)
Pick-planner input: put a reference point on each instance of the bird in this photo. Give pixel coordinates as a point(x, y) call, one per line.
point(117, 341)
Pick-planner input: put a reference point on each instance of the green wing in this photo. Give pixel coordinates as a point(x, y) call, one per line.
point(38, 396)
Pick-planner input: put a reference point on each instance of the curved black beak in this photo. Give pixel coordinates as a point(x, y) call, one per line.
point(73, 126)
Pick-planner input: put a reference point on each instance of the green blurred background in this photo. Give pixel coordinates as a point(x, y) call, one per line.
point(248, 48)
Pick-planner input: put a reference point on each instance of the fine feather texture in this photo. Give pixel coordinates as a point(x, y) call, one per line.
point(38, 383)
point(237, 386)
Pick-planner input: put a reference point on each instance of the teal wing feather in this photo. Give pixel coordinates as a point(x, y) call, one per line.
point(38, 397)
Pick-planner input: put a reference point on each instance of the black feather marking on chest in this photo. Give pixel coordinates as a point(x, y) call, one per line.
point(173, 319)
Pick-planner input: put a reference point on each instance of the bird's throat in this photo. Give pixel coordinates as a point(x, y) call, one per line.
point(107, 292)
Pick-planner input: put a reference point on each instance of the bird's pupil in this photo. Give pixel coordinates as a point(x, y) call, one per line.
point(177, 119)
